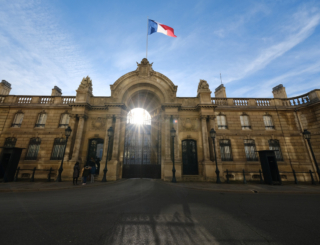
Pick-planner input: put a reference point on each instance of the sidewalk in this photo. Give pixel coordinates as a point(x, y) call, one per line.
point(286, 188)
point(24, 186)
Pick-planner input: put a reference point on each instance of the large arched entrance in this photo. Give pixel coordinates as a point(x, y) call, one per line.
point(140, 153)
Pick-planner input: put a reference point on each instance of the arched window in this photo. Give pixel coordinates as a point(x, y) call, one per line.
point(222, 122)
point(245, 123)
point(267, 119)
point(250, 150)
point(274, 145)
point(64, 120)
point(17, 121)
point(58, 148)
point(41, 121)
point(33, 149)
point(10, 142)
point(139, 116)
point(225, 149)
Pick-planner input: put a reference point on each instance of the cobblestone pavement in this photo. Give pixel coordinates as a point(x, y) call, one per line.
point(144, 211)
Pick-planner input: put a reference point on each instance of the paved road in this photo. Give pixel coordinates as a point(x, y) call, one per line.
point(141, 211)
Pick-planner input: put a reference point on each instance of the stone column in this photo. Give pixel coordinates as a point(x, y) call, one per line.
point(77, 144)
point(212, 125)
point(106, 142)
point(205, 143)
point(71, 124)
point(177, 145)
point(166, 134)
point(116, 138)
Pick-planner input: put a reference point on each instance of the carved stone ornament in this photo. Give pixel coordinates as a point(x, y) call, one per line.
point(144, 68)
point(189, 124)
point(98, 123)
point(203, 85)
point(86, 83)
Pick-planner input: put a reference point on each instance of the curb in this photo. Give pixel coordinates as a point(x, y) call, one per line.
point(251, 191)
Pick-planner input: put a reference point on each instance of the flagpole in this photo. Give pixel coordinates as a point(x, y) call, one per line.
point(147, 36)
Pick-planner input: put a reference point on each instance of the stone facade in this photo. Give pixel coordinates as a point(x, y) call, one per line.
point(193, 117)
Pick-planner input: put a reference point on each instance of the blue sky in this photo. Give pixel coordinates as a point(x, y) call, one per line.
point(256, 45)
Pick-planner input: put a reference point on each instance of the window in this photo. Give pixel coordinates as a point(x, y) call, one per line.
point(245, 122)
point(274, 145)
point(10, 142)
point(268, 122)
point(58, 149)
point(33, 149)
point(250, 149)
point(222, 122)
point(225, 149)
point(17, 120)
point(64, 120)
point(41, 122)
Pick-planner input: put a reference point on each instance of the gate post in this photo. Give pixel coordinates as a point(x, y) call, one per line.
point(227, 176)
point(17, 173)
point(244, 177)
point(33, 172)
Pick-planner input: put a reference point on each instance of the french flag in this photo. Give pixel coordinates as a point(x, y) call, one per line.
point(158, 27)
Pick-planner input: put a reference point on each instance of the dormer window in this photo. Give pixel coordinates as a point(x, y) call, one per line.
point(245, 123)
point(64, 120)
point(268, 123)
point(41, 122)
point(222, 122)
point(17, 121)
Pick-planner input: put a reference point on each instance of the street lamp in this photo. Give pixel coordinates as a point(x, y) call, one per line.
point(213, 135)
point(67, 133)
point(105, 170)
point(307, 136)
point(173, 134)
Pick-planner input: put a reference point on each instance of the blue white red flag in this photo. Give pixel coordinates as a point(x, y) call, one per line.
point(158, 27)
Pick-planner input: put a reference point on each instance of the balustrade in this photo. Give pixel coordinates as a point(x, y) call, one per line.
point(24, 99)
point(240, 102)
point(219, 101)
point(68, 100)
point(47, 100)
point(2, 98)
point(301, 100)
point(262, 102)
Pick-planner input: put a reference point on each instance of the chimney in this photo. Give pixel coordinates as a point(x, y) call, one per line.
point(56, 91)
point(220, 92)
point(5, 87)
point(279, 92)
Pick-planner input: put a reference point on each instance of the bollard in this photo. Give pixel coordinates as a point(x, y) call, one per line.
point(295, 177)
point(261, 180)
point(17, 173)
point(244, 177)
point(227, 176)
point(49, 175)
point(32, 178)
point(312, 180)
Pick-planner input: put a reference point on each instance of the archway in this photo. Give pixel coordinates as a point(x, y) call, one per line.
point(140, 152)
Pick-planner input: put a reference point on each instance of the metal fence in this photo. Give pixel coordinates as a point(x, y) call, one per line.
point(16, 178)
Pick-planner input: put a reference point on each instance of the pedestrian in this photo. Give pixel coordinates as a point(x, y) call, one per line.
point(98, 165)
point(85, 174)
point(93, 169)
point(76, 170)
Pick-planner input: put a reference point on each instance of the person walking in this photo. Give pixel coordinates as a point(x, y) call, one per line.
point(93, 169)
point(76, 170)
point(85, 174)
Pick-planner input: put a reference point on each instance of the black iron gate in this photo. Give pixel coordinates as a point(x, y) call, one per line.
point(140, 158)
point(189, 157)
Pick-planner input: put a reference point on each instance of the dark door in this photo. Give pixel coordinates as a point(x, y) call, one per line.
point(189, 157)
point(137, 161)
point(4, 164)
point(9, 160)
point(95, 150)
point(273, 168)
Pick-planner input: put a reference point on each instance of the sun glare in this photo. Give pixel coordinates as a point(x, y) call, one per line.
point(139, 116)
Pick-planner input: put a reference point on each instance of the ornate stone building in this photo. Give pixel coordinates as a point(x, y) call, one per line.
point(243, 125)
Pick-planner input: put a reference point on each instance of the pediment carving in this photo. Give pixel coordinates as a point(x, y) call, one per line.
point(189, 124)
point(98, 123)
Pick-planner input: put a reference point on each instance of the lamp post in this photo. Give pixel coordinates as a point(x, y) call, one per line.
point(213, 135)
point(307, 136)
point(173, 134)
point(67, 133)
point(105, 170)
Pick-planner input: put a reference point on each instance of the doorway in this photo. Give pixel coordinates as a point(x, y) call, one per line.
point(95, 150)
point(189, 157)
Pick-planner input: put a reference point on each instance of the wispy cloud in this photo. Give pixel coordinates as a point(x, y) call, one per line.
point(37, 53)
